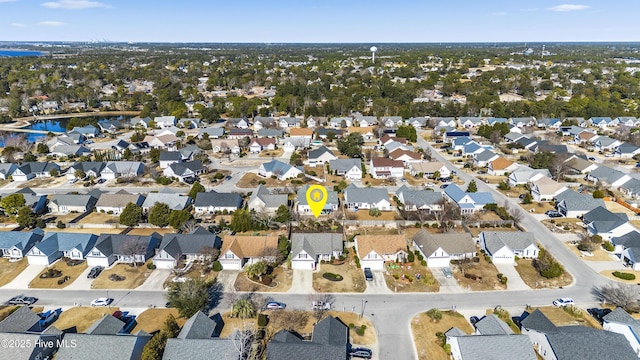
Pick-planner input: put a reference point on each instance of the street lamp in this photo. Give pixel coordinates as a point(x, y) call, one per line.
point(364, 302)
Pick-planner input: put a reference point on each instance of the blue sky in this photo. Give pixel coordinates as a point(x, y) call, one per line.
point(371, 21)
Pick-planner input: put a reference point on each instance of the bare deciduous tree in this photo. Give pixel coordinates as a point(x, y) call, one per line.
point(318, 302)
point(622, 295)
point(210, 253)
point(515, 212)
point(133, 246)
point(189, 226)
point(447, 212)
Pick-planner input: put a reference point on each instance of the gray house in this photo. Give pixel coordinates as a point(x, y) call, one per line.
point(308, 249)
point(122, 248)
point(263, 200)
point(59, 244)
point(329, 341)
point(66, 203)
point(16, 244)
point(173, 200)
point(175, 247)
point(212, 201)
point(96, 347)
point(198, 340)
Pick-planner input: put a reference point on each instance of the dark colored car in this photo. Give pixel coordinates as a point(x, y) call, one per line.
point(473, 320)
point(361, 352)
point(95, 271)
point(444, 186)
point(228, 177)
point(553, 214)
point(22, 300)
point(598, 313)
point(368, 275)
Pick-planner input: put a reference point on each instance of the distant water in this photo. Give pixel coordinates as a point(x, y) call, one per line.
point(16, 53)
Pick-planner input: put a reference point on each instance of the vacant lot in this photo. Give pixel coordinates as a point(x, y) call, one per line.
point(52, 283)
point(281, 279)
point(537, 207)
point(424, 332)
point(486, 276)
point(9, 270)
point(82, 317)
point(152, 320)
point(100, 218)
point(133, 277)
point(46, 182)
point(411, 277)
point(534, 280)
point(353, 278)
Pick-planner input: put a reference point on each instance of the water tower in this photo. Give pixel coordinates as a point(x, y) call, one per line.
point(373, 50)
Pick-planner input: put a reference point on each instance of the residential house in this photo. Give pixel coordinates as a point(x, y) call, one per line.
point(394, 121)
point(330, 205)
point(620, 322)
point(287, 122)
point(307, 250)
point(375, 250)
point(239, 133)
point(316, 121)
point(185, 171)
point(300, 137)
point(164, 121)
point(30, 170)
point(484, 158)
point(586, 136)
point(545, 189)
point(328, 133)
point(224, 146)
point(626, 150)
point(492, 121)
point(115, 203)
point(60, 244)
point(6, 170)
point(110, 248)
point(504, 246)
point(188, 247)
point(366, 132)
point(386, 139)
point(69, 150)
point(199, 340)
point(351, 169)
point(257, 145)
point(63, 140)
point(445, 121)
point(212, 132)
point(397, 145)
point(416, 122)
point(524, 175)
point(88, 131)
point(472, 148)
point(213, 201)
point(240, 123)
point(605, 143)
point(602, 122)
point(166, 142)
point(37, 203)
point(468, 122)
point(574, 341)
point(340, 122)
point(501, 166)
point(526, 143)
point(607, 224)
point(478, 347)
point(173, 200)
point(280, 170)
point(571, 131)
point(122, 169)
point(168, 158)
point(468, 202)
point(263, 200)
point(365, 121)
point(608, 176)
point(547, 123)
point(492, 325)
point(110, 126)
point(629, 121)
point(631, 188)
point(428, 169)
point(240, 250)
point(94, 346)
point(189, 123)
point(320, 156)
point(512, 136)
point(66, 203)
point(48, 106)
point(87, 168)
point(383, 168)
point(439, 249)
point(407, 157)
point(458, 143)
point(573, 205)
point(627, 246)
point(356, 198)
point(16, 244)
point(329, 341)
point(23, 327)
point(419, 200)
point(270, 133)
point(523, 121)
point(138, 122)
point(579, 165)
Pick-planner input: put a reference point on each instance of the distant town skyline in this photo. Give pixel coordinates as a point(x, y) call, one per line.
point(314, 21)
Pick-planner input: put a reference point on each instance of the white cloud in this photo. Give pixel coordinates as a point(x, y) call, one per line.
point(51, 23)
point(18, 25)
point(569, 7)
point(74, 4)
point(501, 13)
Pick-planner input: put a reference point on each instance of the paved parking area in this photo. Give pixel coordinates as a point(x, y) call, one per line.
point(302, 282)
point(447, 285)
point(378, 285)
point(514, 281)
point(22, 281)
point(227, 278)
point(156, 280)
point(82, 282)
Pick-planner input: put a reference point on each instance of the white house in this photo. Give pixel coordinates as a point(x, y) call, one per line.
point(383, 168)
point(351, 169)
point(356, 198)
point(545, 189)
point(440, 249)
point(320, 156)
point(504, 246)
point(620, 322)
point(428, 168)
point(309, 249)
point(240, 250)
point(278, 169)
point(375, 250)
point(176, 247)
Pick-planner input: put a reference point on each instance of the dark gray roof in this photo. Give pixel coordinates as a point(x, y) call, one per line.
point(180, 168)
point(19, 321)
point(496, 347)
point(38, 167)
point(580, 342)
point(265, 132)
point(28, 349)
point(628, 240)
point(603, 220)
point(539, 322)
point(354, 194)
point(200, 326)
point(214, 198)
point(492, 325)
point(201, 349)
point(574, 201)
point(170, 156)
point(180, 244)
point(328, 342)
point(622, 317)
point(87, 166)
point(107, 325)
point(315, 244)
point(419, 197)
point(452, 243)
point(314, 154)
point(486, 155)
point(74, 200)
point(270, 200)
point(111, 244)
point(100, 347)
point(60, 241)
point(455, 332)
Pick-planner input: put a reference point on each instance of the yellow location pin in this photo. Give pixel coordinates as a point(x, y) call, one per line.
point(316, 198)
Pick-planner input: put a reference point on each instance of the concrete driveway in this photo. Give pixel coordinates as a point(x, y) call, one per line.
point(514, 281)
point(447, 285)
point(378, 285)
point(22, 281)
point(156, 280)
point(302, 282)
point(82, 282)
point(228, 279)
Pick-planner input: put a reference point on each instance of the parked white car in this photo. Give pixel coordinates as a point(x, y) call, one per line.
point(103, 301)
point(563, 302)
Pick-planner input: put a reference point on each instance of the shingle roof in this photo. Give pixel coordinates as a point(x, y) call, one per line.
point(332, 197)
point(119, 199)
point(514, 240)
point(492, 325)
point(382, 245)
point(249, 246)
point(538, 321)
point(111, 244)
point(580, 342)
point(19, 321)
point(19, 239)
point(60, 241)
point(99, 347)
point(628, 240)
point(175, 201)
point(107, 325)
point(496, 347)
point(201, 349)
point(314, 154)
point(214, 198)
point(603, 220)
point(270, 200)
point(344, 164)
point(199, 326)
point(451, 243)
point(316, 244)
point(328, 342)
point(354, 194)
point(419, 197)
point(180, 244)
point(479, 198)
point(73, 200)
point(574, 201)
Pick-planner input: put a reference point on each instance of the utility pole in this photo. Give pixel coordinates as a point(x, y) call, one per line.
point(364, 302)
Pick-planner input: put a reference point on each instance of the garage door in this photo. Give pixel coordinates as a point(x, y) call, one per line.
point(164, 264)
point(303, 265)
point(438, 262)
point(373, 264)
point(231, 264)
point(38, 260)
point(96, 261)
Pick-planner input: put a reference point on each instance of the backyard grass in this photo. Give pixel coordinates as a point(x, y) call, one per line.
point(149, 231)
point(424, 331)
point(9, 270)
point(537, 207)
point(617, 208)
point(364, 215)
point(87, 230)
point(100, 218)
point(562, 317)
point(271, 153)
point(281, 277)
point(251, 181)
point(134, 277)
point(504, 316)
point(232, 324)
point(405, 278)
point(598, 253)
point(353, 278)
point(475, 231)
point(152, 320)
point(609, 274)
point(368, 338)
point(534, 280)
point(82, 317)
point(52, 283)
point(487, 276)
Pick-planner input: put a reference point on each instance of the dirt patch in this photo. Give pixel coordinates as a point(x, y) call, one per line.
point(598, 253)
point(537, 207)
point(149, 231)
point(9, 270)
point(353, 278)
point(44, 182)
point(534, 280)
point(133, 277)
point(475, 231)
point(561, 317)
point(73, 272)
point(364, 215)
point(410, 277)
point(609, 274)
point(486, 276)
point(281, 277)
point(82, 317)
point(378, 182)
point(617, 208)
point(100, 218)
point(152, 320)
point(271, 153)
point(424, 331)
